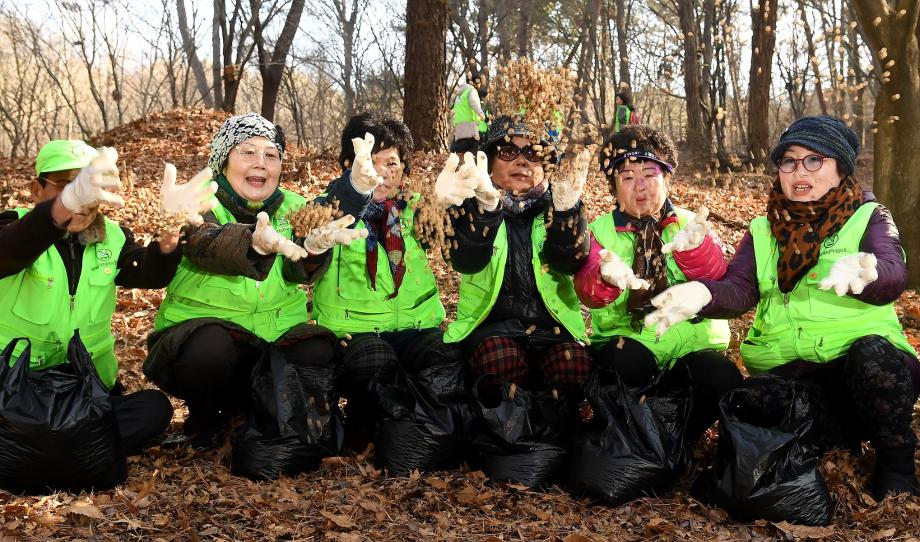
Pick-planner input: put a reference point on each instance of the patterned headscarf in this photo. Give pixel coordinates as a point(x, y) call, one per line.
point(238, 129)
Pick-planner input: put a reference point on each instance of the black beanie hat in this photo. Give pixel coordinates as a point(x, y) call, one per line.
point(823, 134)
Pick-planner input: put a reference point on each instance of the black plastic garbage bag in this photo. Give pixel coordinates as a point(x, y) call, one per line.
point(57, 427)
point(295, 420)
point(524, 439)
point(637, 444)
point(426, 420)
point(767, 461)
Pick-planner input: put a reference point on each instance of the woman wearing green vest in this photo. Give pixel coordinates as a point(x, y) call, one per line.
point(62, 261)
point(469, 115)
point(518, 318)
point(624, 114)
point(638, 249)
point(379, 293)
point(238, 284)
point(823, 268)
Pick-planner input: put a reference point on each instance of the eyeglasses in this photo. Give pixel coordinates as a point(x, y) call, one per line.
point(510, 151)
point(250, 155)
point(812, 162)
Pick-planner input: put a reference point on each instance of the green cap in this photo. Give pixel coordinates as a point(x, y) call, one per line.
point(61, 154)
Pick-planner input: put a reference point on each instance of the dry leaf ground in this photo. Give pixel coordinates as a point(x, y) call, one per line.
point(179, 494)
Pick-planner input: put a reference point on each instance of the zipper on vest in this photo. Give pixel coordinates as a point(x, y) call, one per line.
point(73, 271)
point(346, 314)
point(786, 301)
point(800, 333)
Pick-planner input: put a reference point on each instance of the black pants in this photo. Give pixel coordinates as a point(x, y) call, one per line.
point(461, 146)
point(869, 394)
point(368, 358)
point(212, 372)
point(711, 375)
point(141, 416)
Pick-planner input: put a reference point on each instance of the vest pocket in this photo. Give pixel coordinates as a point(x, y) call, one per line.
point(101, 295)
point(37, 298)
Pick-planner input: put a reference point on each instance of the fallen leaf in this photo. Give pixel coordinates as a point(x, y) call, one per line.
point(885, 533)
point(574, 537)
point(804, 531)
point(342, 521)
point(86, 509)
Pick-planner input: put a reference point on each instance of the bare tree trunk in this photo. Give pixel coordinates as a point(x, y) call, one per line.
point(696, 138)
point(188, 45)
point(271, 66)
point(897, 142)
point(216, 64)
point(523, 29)
point(855, 80)
point(819, 90)
point(482, 18)
point(763, 41)
point(348, 22)
point(623, 53)
point(425, 105)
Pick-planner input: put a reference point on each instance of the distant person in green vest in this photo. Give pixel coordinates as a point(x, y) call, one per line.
point(823, 268)
point(469, 114)
point(624, 113)
point(62, 261)
point(519, 238)
point(379, 294)
point(638, 249)
point(238, 284)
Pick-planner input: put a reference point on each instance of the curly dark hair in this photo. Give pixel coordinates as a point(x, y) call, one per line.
point(388, 131)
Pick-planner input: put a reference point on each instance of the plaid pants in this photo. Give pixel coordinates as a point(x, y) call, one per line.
point(564, 366)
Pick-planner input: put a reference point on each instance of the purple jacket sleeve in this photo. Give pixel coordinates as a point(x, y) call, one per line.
point(736, 292)
point(882, 239)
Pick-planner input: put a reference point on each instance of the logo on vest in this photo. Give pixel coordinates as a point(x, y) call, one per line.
point(831, 241)
point(103, 254)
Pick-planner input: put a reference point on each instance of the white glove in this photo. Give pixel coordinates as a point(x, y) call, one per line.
point(851, 274)
point(265, 240)
point(692, 235)
point(569, 183)
point(323, 238)
point(189, 200)
point(676, 304)
point(453, 186)
point(486, 193)
point(95, 184)
point(363, 175)
point(615, 271)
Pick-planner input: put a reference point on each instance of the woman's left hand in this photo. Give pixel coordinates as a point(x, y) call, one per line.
point(851, 274)
point(337, 232)
point(692, 235)
point(568, 185)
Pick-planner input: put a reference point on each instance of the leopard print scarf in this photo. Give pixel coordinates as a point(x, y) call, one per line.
point(800, 226)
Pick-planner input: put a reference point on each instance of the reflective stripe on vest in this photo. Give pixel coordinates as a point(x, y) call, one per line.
point(808, 323)
point(344, 301)
point(614, 320)
point(37, 304)
point(267, 308)
point(479, 291)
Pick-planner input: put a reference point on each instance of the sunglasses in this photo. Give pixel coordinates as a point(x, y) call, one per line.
point(812, 162)
point(509, 151)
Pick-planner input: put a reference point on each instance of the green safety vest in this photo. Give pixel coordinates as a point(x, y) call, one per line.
point(344, 301)
point(479, 291)
point(616, 117)
point(37, 304)
point(463, 112)
point(267, 308)
point(614, 320)
point(808, 323)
